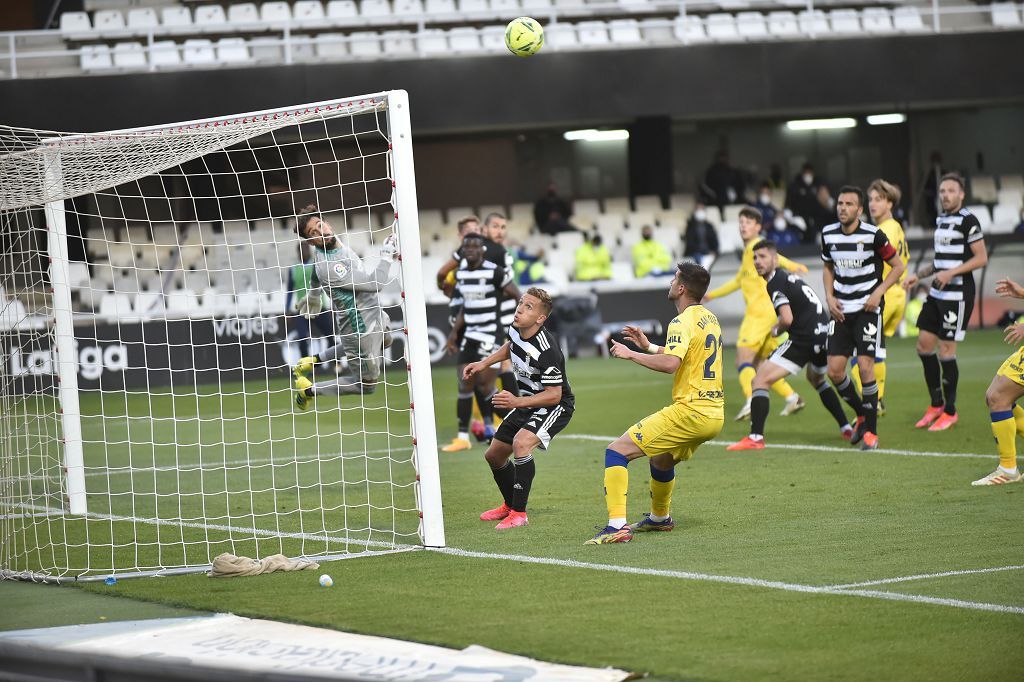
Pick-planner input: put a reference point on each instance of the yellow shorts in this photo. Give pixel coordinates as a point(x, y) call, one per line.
point(756, 333)
point(895, 305)
point(675, 430)
point(1013, 367)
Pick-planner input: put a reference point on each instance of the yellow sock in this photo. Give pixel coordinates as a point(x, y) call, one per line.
point(855, 377)
point(747, 373)
point(1018, 417)
point(1005, 431)
point(661, 496)
point(783, 388)
point(616, 483)
point(879, 378)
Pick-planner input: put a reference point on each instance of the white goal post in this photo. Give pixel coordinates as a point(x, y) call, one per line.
point(148, 332)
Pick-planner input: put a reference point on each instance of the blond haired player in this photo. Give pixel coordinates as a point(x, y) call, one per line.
point(883, 197)
point(755, 342)
point(1006, 389)
point(693, 354)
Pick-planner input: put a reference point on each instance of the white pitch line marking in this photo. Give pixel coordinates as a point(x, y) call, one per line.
point(734, 580)
point(818, 448)
point(925, 576)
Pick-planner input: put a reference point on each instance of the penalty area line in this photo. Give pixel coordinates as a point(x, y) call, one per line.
point(926, 576)
point(816, 448)
point(733, 580)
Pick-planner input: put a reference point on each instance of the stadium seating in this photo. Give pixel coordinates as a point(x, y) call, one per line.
point(983, 188)
point(331, 45)
point(244, 16)
point(342, 11)
point(751, 25)
point(108, 22)
point(142, 20)
point(908, 20)
point(625, 31)
point(176, 19)
point(783, 24)
point(129, 56)
point(96, 58)
point(689, 29)
point(877, 20)
point(844, 21)
point(75, 25)
point(1005, 15)
point(209, 18)
point(721, 27)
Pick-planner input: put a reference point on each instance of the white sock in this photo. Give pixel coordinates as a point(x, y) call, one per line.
point(659, 519)
point(793, 397)
point(1009, 471)
point(757, 436)
point(616, 523)
point(463, 435)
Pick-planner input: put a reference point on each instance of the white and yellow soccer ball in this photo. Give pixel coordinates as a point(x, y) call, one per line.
point(326, 581)
point(524, 36)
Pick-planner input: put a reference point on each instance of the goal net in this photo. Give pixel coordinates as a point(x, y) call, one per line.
point(149, 329)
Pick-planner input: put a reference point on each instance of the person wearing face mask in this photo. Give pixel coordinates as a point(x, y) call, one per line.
point(551, 212)
point(764, 204)
point(802, 198)
point(650, 257)
point(701, 238)
point(593, 261)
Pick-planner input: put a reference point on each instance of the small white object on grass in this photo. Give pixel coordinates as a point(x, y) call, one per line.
point(326, 581)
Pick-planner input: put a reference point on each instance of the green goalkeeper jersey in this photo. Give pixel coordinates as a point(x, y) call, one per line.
point(352, 289)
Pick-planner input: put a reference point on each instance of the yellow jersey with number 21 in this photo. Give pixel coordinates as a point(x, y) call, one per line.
point(695, 337)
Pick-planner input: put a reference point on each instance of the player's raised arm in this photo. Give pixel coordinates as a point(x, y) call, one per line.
point(659, 362)
point(791, 265)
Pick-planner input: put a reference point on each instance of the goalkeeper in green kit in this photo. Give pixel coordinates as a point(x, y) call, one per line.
point(353, 292)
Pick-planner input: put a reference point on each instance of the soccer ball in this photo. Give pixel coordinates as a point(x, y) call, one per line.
point(326, 581)
point(524, 36)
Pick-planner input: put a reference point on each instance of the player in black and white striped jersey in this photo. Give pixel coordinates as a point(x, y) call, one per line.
point(959, 251)
point(543, 408)
point(495, 228)
point(481, 284)
point(854, 252)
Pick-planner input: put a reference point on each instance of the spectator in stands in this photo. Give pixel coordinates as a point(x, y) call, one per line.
point(651, 258)
point(529, 267)
point(299, 276)
point(802, 198)
point(775, 179)
point(593, 261)
point(764, 203)
point(781, 232)
point(723, 184)
point(552, 212)
point(930, 189)
point(701, 237)
point(824, 213)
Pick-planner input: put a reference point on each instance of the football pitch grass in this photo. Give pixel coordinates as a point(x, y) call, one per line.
point(807, 560)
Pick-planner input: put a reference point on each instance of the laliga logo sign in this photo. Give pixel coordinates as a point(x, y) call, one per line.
point(92, 361)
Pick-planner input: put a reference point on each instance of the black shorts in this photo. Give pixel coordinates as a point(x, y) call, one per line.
point(946, 319)
point(471, 350)
point(795, 354)
point(545, 422)
point(858, 334)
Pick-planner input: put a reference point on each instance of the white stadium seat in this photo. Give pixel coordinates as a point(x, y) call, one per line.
point(365, 44)
point(689, 29)
point(164, 53)
point(908, 20)
point(245, 14)
point(400, 42)
point(561, 36)
point(143, 20)
point(432, 41)
point(648, 204)
point(75, 25)
point(783, 24)
point(657, 31)
point(813, 22)
point(308, 12)
point(492, 38)
point(572, 6)
point(751, 25)
point(618, 205)
point(1005, 218)
point(1011, 196)
point(331, 45)
point(876, 20)
point(983, 215)
point(844, 21)
point(464, 39)
point(210, 18)
point(342, 11)
point(983, 188)
point(593, 33)
point(232, 50)
point(95, 58)
point(722, 27)
point(625, 31)
point(535, 5)
point(198, 51)
point(176, 19)
point(439, 7)
point(266, 49)
point(505, 8)
point(1012, 181)
point(408, 8)
point(275, 13)
point(108, 21)
point(1005, 15)
point(473, 6)
point(374, 9)
point(129, 56)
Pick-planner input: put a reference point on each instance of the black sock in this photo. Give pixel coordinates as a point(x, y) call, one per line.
point(525, 469)
point(509, 383)
point(483, 399)
point(848, 392)
point(950, 378)
point(932, 377)
point(505, 477)
point(759, 405)
point(870, 392)
point(464, 411)
point(830, 399)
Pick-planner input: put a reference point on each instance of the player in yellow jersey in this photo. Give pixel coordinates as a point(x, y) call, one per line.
point(755, 342)
point(883, 197)
point(1006, 389)
point(693, 354)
